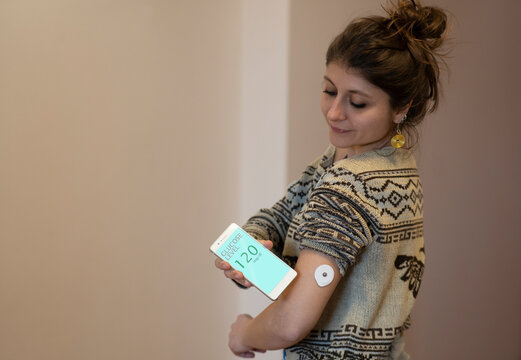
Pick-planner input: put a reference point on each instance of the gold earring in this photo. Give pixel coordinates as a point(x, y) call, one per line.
point(398, 140)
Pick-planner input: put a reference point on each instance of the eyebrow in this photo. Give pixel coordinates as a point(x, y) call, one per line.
point(349, 91)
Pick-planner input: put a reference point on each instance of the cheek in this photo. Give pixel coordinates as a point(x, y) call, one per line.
point(389, 121)
point(377, 123)
point(387, 126)
point(324, 105)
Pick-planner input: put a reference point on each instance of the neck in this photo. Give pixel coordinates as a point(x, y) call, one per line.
point(340, 154)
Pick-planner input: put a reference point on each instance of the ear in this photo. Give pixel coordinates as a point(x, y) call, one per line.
point(400, 114)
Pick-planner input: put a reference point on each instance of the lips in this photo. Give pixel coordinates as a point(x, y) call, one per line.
point(337, 130)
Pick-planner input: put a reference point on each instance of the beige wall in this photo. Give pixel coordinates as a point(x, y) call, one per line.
point(118, 166)
point(469, 306)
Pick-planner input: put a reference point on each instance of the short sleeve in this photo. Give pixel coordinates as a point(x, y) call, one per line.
point(333, 224)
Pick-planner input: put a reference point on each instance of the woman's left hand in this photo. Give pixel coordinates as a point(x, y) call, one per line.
point(235, 339)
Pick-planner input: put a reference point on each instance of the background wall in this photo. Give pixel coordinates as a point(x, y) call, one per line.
point(264, 106)
point(116, 115)
point(119, 166)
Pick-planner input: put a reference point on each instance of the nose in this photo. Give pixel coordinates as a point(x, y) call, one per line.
point(337, 111)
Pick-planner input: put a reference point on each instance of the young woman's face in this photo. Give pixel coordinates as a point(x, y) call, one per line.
point(358, 113)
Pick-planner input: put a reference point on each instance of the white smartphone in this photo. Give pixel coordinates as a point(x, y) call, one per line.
point(259, 265)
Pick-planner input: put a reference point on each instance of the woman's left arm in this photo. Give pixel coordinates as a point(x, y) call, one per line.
point(292, 316)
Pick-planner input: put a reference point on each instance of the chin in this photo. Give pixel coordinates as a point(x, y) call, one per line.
point(339, 143)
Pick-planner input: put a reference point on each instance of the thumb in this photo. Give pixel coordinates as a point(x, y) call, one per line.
point(268, 244)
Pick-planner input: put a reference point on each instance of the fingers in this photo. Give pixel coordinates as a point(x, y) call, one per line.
point(244, 283)
point(238, 277)
point(268, 244)
point(248, 354)
point(233, 274)
point(222, 265)
point(230, 273)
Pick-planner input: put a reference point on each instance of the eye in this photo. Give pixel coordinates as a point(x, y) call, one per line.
point(358, 105)
point(329, 92)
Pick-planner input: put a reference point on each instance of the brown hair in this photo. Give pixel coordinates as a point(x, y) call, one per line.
point(399, 54)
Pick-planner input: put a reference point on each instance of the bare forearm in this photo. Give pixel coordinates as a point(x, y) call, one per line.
point(272, 329)
point(289, 319)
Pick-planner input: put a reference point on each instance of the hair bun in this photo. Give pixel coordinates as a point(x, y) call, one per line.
point(415, 22)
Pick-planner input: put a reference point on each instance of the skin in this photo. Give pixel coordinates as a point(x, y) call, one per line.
point(236, 275)
point(281, 325)
point(360, 119)
point(358, 113)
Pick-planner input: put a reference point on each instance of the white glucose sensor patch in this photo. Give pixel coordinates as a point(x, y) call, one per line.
point(324, 275)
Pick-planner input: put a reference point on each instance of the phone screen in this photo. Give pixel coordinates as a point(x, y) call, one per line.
point(261, 267)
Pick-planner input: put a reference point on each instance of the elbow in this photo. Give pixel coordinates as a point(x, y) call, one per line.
point(293, 336)
point(289, 325)
point(293, 332)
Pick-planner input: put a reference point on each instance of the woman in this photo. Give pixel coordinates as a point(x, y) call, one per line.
point(357, 208)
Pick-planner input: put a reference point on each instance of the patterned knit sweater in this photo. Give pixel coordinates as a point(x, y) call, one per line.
point(366, 213)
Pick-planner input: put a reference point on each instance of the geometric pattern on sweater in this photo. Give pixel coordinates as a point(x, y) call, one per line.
point(392, 193)
point(386, 196)
point(365, 212)
point(274, 223)
point(347, 211)
point(349, 342)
